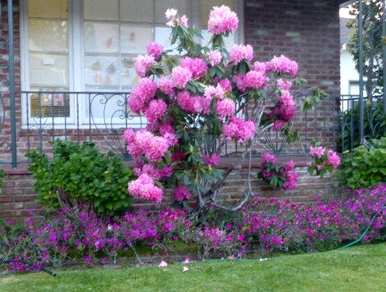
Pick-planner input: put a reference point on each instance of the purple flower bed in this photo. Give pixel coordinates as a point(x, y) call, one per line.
point(264, 225)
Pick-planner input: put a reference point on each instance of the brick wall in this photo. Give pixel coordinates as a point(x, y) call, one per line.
point(305, 30)
point(308, 32)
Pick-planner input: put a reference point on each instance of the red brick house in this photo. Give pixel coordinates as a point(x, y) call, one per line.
point(70, 69)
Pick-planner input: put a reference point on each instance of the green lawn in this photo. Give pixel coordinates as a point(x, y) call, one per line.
point(361, 268)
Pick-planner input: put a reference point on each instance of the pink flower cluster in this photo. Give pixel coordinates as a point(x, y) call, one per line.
point(283, 65)
point(145, 143)
point(142, 94)
point(284, 110)
point(182, 193)
point(153, 172)
point(166, 86)
point(181, 76)
point(239, 130)
point(156, 110)
point(251, 80)
point(173, 20)
point(143, 64)
point(214, 91)
point(225, 108)
point(222, 20)
point(214, 57)
point(325, 160)
point(144, 188)
point(291, 177)
point(155, 50)
point(277, 176)
point(212, 160)
point(196, 66)
point(193, 104)
point(239, 53)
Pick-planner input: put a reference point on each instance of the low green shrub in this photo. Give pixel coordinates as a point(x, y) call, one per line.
point(78, 174)
point(365, 166)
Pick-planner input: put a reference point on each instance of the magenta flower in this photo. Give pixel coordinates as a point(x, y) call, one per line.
point(239, 53)
point(182, 193)
point(196, 66)
point(155, 50)
point(225, 108)
point(333, 159)
point(317, 151)
point(239, 130)
point(222, 20)
point(181, 76)
point(143, 64)
point(214, 57)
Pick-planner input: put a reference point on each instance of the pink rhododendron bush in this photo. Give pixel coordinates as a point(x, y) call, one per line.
point(196, 99)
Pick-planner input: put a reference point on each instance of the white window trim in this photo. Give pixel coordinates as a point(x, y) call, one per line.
point(76, 60)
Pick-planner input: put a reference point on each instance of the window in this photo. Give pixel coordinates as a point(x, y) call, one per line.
point(89, 45)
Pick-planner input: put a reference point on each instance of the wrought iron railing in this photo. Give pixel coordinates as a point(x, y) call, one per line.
point(374, 124)
point(101, 117)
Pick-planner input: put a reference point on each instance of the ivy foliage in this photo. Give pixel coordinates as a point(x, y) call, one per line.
point(365, 166)
point(78, 174)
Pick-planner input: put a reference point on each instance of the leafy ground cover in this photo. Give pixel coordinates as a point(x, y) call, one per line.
point(360, 268)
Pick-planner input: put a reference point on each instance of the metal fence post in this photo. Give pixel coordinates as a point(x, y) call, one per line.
point(361, 100)
point(384, 55)
point(11, 83)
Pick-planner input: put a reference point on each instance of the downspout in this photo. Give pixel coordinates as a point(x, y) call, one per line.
point(11, 83)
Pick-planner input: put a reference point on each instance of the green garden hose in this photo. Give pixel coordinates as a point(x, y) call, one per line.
point(367, 229)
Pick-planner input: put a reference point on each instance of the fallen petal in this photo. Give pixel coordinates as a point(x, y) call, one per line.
point(185, 269)
point(163, 264)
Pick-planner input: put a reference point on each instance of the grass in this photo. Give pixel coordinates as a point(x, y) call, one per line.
point(360, 268)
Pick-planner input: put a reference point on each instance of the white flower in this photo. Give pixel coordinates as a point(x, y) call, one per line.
point(163, 264)
point(171, 13)
point(185, 269)
point(263, 259)
point(109, 227)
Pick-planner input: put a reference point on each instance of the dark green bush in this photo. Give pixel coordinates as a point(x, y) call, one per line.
point(80, 174)
point(365, 166)
point(374, 124)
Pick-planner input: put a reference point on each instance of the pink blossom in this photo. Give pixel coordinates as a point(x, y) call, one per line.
point(144, 188)
point(142, 94)
point(333, 159)
point(214, 57)
point(143, 64)
point(183, 21)
point(225, 108)
point(155, 50)
point(193, 104)
point(239, 53)
point(165, 84)
point(240, 82)
point(284, 65)
point(196, 66)
point(168, 132)
point(283, 84)
point(145, 143)
point(260, 67)
point(182, 193)
point(239, 130)
point(222, 20)
point(214, 92)
point(211, 160)
point(291, 180)
point(268, 158)
point(317, 151)
point(226, 85)
point(255, 80)
point(181, 76)
point(156, 110)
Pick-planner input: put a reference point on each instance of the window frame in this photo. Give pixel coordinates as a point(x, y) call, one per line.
point(76, 63)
